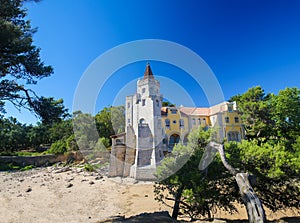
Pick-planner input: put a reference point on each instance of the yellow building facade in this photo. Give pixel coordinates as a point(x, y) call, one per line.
point(177, 122)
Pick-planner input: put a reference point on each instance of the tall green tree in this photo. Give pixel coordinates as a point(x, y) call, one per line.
point(20, 62)
point(270, 116)
point(285, 114)
point(255, 110)
point(110, 121)
point(13, 135)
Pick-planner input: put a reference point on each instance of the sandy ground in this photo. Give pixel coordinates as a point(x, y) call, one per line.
point(75, 196)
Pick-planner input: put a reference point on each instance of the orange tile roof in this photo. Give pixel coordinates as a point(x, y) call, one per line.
point(195, 111)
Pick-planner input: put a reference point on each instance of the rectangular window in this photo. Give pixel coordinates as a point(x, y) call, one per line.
point(194, 121)
point(128, 105)
point(157, 103)
point(199, 121)
point(181, 123)
point(167, 122)
point(143, 102)
point(230, 107)
point(227, 119)
point(128, 121)
point(236, 119)
point(143, 90)
point(204, 121)
point(173, 111)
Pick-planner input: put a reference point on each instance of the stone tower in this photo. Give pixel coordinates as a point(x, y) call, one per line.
point(143, 126)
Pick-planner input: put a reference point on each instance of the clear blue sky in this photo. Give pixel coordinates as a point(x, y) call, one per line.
point(245, 43)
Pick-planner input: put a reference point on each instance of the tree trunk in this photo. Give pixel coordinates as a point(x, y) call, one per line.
point(255, 211)
point(177, 203)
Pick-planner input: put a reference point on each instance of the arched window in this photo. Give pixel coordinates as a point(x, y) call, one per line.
point(142, 121)
point(174, 139)
point(233, 136)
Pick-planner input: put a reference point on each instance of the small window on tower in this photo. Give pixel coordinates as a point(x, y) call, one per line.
point(128, 105)
point(143, 102)
point(157, 103)
point(143, 90)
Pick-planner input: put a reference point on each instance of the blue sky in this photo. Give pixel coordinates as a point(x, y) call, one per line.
point(245, 43)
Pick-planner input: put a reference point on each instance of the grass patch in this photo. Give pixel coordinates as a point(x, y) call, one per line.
point(92, 167)
point(29, 167)
point(89, 167)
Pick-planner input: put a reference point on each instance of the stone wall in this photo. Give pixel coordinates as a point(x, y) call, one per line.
point(129, 161)
point(38, 161)
point(117, 159)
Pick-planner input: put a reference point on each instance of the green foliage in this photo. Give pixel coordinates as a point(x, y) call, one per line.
point(13, 135)
point(167, 104)
point(195, 192)
point(60, 130)
point(268, 159)
point(10, 166)
point(275, 167)
point(285, 114)
point(89, 167)
point(38, 135)
point(270, 117)
point(102, 144)
point(255, 109)
point(71, 143)
point(110, 121)
point(58, 147)
point(49, 110)
point(20, 63)
point(29, 167)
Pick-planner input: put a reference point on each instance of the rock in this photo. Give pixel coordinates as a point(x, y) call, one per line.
point(28, 190)
point(69, 180)
point(98, 177)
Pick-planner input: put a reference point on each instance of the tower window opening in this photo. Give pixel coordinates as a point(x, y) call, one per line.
point(167, 122)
